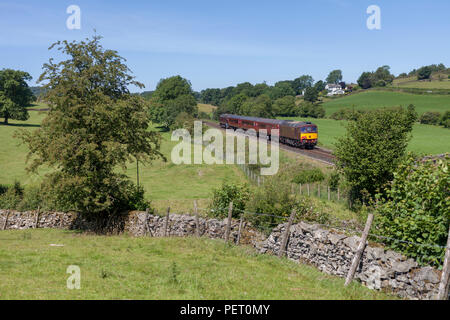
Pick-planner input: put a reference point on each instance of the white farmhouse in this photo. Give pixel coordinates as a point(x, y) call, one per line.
point(334, 89)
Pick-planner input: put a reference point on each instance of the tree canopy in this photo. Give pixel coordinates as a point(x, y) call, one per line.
point(172, 96)
point(15, 95)
point(335, 77)
point(372, 147)
point(93, 127)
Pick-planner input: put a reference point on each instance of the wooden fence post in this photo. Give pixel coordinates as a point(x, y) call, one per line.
point(359, 251)
point(197, 222)
point(240, 229)
point(443, 285)
point(259, 181)
point(166, 224)
point(307, 188)
point(329, 195)
point(6, 220)
point(286, 234)
point(300, 188)
point(228, 229)
point(36, 221)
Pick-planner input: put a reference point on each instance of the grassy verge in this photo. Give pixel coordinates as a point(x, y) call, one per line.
point(120, 267)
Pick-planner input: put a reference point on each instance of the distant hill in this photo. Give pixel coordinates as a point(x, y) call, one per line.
point(438, 80)
point(374, 99)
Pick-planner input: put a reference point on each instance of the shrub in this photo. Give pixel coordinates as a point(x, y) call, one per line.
point(417, 209)
point(445, 120)
point(372, 147)
point(274, 202)
point(204, 115)
point(12, 197)
point(32, 199)
point(3, 189)
point(430, 117)
point(309, 176)
point(333, 181)
point(309, 110)
point(184, 121)
point(238, 193)
point(347, 114)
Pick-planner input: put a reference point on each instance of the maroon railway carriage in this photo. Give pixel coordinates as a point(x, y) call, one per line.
point(295, 133)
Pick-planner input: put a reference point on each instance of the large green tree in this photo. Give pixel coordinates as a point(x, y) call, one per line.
point(15, 95)
point(172, 96)
point(284, 106)
point(311, 94)
point(372, 147)
point(94, 127)
point(335, 77)
point(260, 106)
point(301, 83)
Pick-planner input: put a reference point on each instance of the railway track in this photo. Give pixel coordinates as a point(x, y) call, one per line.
point(317, 153)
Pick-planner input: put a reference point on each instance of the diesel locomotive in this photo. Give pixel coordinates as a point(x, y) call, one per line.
point(294, 133)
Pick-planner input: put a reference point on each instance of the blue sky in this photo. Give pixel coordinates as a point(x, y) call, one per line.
point(222, 43)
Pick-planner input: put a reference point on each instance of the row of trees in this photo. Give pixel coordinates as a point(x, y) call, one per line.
point(262, 100)
point(425, 72)
point(281, 89)
point(379, 78)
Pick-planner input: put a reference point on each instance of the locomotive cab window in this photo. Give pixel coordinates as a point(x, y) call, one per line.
point(309, 130)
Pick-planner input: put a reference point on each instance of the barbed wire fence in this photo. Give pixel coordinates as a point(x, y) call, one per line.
point(318, 190)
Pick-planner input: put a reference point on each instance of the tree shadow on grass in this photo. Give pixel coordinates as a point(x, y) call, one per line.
point(20, 125)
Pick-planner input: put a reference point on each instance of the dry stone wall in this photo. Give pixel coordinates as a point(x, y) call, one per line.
point(328, 250)
point(332, 253)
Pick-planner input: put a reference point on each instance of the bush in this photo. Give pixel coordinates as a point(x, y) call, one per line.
point(274, 203)
point(309, 176)
point(32, 199)
point(347, 114)
point(333, 180)
point(445, 120)
point(238, 193)
point(204, 115)
point(430, 117)
point(11, 198)
point(379, 132)
point(184, 121)
point(309, 110)
point(417, 209)
point(3, 189)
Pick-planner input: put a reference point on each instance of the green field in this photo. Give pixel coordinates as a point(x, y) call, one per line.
point(164, 182)
point(426, 139)
point(378, 99)
point(121, 267)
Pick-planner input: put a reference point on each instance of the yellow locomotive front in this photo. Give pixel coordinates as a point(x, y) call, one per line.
point(309, 135)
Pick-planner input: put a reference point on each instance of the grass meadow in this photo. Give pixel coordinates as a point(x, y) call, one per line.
point(121, 267)
point(165, 183)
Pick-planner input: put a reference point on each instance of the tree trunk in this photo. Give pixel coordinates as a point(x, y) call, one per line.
point(6, 119)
